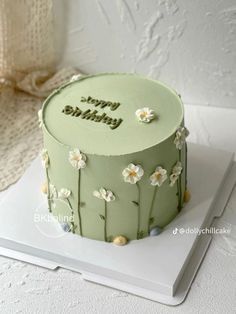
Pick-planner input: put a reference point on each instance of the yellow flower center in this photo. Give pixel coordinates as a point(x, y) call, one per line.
point(143, 114)
point(132, 173)
point(77, 157)
point(158, 175)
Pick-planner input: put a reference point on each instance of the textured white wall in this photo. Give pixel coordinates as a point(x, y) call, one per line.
point(189, 44)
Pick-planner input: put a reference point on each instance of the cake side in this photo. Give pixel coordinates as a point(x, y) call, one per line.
point(111, 194)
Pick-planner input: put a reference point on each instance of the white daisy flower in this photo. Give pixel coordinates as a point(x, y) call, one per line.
point(133, 173)
point(40, 118)
point(176, 171)
point(53, 191)
point(77, 159)
point(104, 194)
point(180, 136)
point(45, 158)
point(75, 77)
point(145, 114)
point(53, 194)
point(159, 176)
point(64, 193)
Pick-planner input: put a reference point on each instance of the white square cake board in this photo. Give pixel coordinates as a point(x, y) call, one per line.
point(159, 268)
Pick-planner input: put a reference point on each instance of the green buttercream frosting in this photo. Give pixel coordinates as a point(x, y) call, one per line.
point(97, 115)
point(132, 92)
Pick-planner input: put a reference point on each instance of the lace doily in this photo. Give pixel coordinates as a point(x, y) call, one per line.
point(20, 135)
point(27, 75)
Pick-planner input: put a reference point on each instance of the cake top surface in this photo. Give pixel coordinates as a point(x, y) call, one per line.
point(97, 113)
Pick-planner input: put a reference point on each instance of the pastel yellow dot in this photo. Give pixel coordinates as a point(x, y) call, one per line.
point(120, 240)
point(187, 196)
point(44, 188)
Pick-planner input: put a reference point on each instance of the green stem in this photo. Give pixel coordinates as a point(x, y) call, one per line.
point(151, 208)
point(72, 213)
point(180, 187)
point(177, 184)
point(186, 165)
point(138, 207)
point(79, 215)
point(105, 221)
point(48, 188)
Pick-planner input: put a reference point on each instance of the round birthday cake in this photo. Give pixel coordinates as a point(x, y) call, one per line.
point(115, 156)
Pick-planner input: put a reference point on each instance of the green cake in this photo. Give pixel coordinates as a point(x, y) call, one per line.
point(115, 156)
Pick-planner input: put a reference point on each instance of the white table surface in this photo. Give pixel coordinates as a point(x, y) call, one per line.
point(26, 288)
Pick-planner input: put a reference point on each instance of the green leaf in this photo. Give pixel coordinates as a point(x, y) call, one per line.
point(140, 234)
point(102, 217)
point(135, 203)
point(110, 238)
point(151, 220)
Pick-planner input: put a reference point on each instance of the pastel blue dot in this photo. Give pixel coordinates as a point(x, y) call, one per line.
point(65, 226)
point(155, 231)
